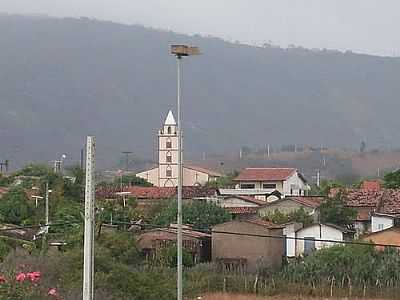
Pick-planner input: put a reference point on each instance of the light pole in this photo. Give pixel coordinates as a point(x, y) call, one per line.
point(180, 51)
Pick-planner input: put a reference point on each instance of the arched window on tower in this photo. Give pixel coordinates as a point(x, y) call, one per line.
point(168, 172)
point(169, 157)
point(169, 130)
point(168, 144)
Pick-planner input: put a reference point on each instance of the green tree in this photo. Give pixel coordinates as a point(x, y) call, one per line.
point(225, 181)
point(15, 207)
point(392, 180)
point(131, 180)
point(200, 214)
point(300, 216)
point(333, 210)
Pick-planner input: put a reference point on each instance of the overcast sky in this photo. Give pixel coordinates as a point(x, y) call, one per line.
point(367, 26)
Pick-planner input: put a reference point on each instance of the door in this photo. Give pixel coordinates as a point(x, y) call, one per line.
point(309, 245)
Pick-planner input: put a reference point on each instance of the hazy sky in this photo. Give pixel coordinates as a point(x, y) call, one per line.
point(368, 26)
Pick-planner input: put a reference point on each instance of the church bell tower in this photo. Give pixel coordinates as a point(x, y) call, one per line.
point(168, 153)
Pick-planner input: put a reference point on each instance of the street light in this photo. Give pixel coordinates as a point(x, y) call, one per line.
point(180, 51)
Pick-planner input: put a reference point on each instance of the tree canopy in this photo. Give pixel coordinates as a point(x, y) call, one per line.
point(333, 210)
point(392, 180)
point(200, 214)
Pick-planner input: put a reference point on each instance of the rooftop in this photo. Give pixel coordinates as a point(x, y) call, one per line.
point(265, 174)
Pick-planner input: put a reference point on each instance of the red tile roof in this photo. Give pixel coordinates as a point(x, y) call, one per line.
point(248, 199)
point(310, 201)
point(153, 192)
point(261, 222)
point(265, 174)
point(242, 210)
point(371, 185)
point(385, 201)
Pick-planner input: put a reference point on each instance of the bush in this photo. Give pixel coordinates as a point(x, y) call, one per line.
point(15, 207)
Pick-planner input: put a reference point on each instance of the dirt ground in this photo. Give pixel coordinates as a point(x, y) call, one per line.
point(252, 297)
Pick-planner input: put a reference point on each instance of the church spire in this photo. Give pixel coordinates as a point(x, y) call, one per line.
point(170, 120)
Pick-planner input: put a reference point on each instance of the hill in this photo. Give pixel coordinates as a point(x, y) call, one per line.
point(61, 79)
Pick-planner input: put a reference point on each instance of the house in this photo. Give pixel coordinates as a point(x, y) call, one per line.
point(165, 174)
point(198, 244)
point(388, 236)
point(371, 199)
point(289, 204)
point(307, 237)
point(147, 197)
point(381, 221)
point(240, 207)
point(287, 181)
point(289, 231)
point(239, 245)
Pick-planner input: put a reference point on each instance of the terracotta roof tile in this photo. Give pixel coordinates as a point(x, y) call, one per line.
point(242, 210)
point(261, 222)
point(154, 192)
point(310, 201)
point(265, 174)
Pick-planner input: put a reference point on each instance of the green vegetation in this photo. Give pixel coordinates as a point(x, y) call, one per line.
point(15, 207)
point(392, 180)
point(225, 181)
point(333, 210)
point(300, 216)
point(200, 214)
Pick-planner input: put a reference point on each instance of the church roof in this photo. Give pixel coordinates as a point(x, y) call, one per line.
point(170, 120)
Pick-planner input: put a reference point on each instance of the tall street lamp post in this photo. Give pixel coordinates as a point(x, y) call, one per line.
point(180, 51)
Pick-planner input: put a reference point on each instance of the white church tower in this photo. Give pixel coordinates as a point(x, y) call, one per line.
point(166, 173)
point(168, 153)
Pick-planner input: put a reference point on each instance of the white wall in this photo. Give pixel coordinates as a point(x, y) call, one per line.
point(235, 202)
point(150, 175)
point(318, 231)
point(380, 223)
point(289, 231)
point(297, 182)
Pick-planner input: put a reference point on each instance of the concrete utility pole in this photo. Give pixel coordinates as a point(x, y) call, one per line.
point(88, 254)
point(180, 51)
point(47, 207)
point(126, 159)
point(318, 178)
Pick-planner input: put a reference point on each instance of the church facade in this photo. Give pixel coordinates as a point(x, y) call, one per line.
point(166, 173)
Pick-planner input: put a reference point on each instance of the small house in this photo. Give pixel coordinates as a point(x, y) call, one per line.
point(247, 245)
point(307, 238)
point(388, 236)
point(198, 244)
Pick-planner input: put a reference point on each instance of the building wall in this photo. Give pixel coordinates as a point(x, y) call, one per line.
point(295, 186)
point(257, 251)
point(150, 175)
point(234, 202)
point(193, 177)
point(388, 237)
point(379, 223)
point(259, 185)
point(317, 231)
point(290, 232)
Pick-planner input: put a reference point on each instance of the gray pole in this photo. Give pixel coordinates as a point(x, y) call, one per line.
point(88, 254)
point(179, 217)
point(47, 207)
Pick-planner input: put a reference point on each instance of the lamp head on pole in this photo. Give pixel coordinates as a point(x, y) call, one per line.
point(184, 50)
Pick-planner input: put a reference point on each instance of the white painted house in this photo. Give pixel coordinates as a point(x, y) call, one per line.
point(286, 181)
point(381, 221)
point(316, 232)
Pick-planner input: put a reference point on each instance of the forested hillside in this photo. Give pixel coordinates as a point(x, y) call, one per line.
point(61, 79)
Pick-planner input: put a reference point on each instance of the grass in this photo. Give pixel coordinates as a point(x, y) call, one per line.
point(221, 296)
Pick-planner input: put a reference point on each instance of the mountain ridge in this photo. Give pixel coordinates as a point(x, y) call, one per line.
point(62, 79)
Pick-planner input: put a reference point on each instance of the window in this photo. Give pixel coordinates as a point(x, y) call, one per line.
point(380, 226)
point(247, 186)
point(169, 145)
point(169, 129)
point(269, 185)
point(169, 173)
point(169, 158)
